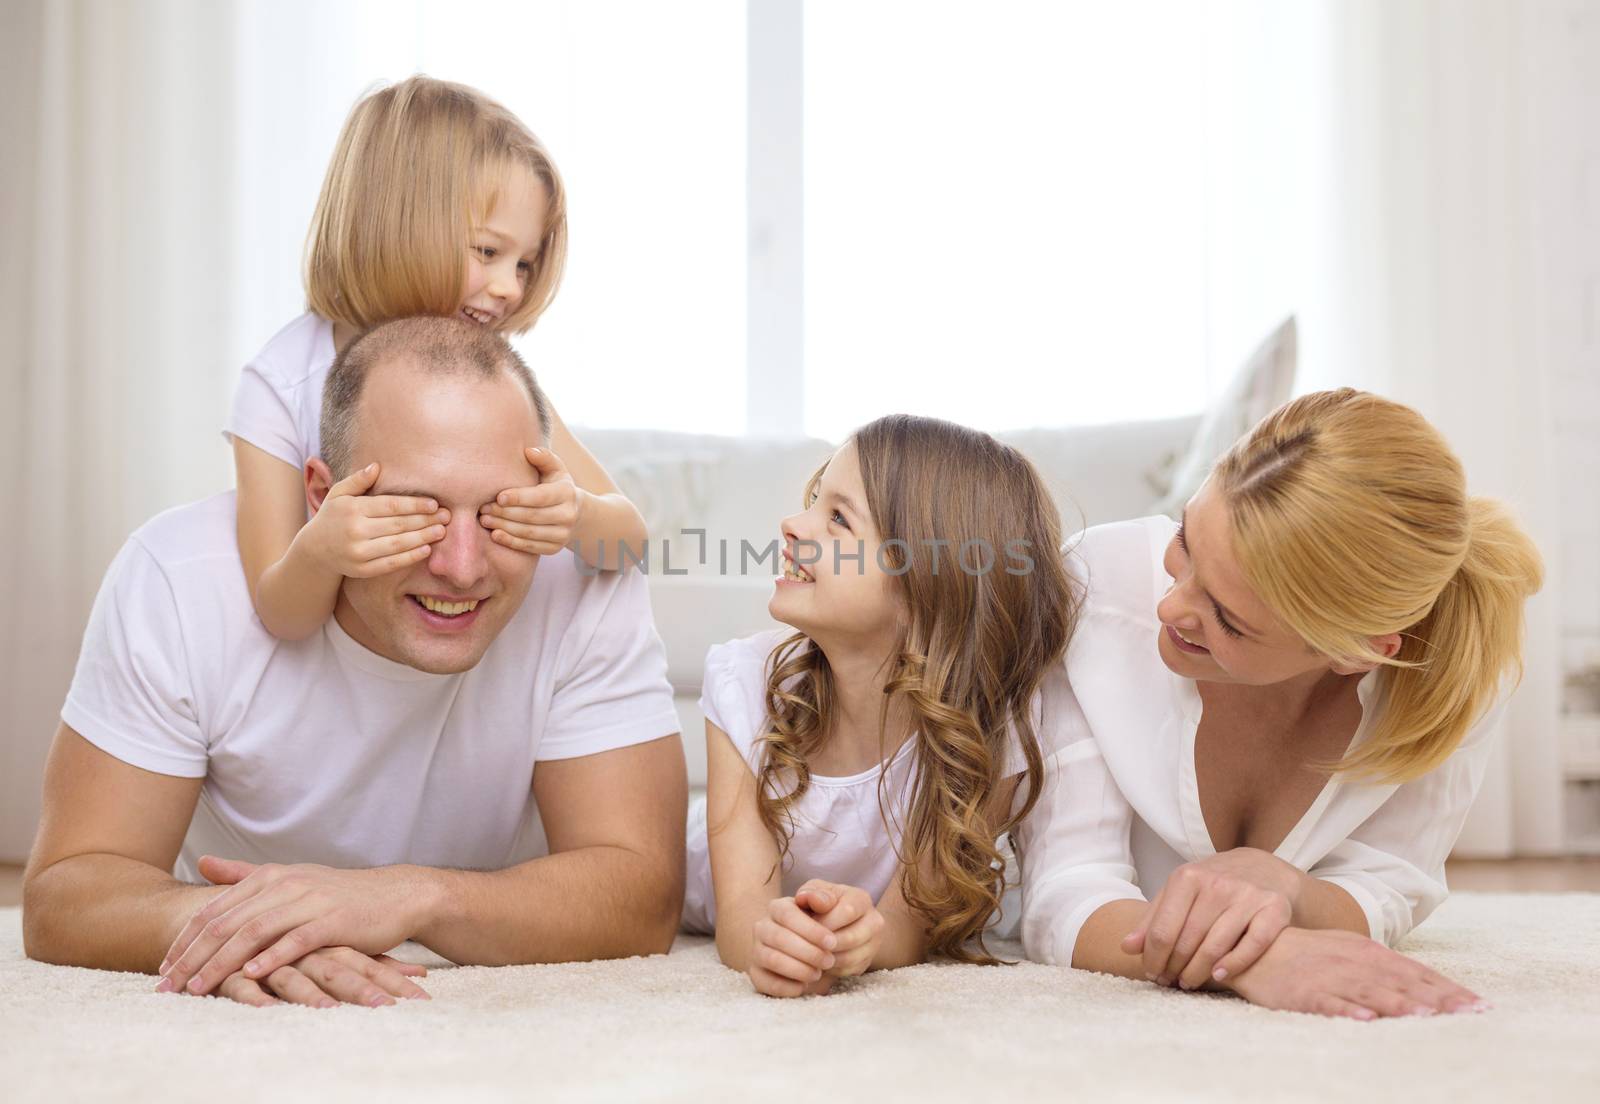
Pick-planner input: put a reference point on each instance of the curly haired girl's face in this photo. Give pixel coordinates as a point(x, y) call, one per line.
point(832, 585)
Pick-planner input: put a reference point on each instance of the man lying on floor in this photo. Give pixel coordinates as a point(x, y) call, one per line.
point(502, 784)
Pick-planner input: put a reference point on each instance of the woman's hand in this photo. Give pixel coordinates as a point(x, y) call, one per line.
point(1339, 973)
point(849, 914)
point(361, 536)
point(538, 520)
point(790, 951)
point(1215, 917)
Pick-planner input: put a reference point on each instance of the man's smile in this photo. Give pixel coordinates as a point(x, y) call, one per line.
point(445, 614)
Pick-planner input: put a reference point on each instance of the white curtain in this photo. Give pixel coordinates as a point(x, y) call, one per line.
point(1429, 271)
point(117, 273)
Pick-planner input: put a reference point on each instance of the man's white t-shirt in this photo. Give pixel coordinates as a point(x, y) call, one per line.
point(320, 750)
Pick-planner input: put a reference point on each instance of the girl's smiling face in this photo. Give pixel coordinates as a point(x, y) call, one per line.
point(503, 248)
point(831, 585)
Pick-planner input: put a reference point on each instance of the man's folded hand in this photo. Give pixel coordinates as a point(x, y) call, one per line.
point(273, 916)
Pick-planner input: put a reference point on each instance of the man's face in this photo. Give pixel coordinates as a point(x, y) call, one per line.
point(458, 440)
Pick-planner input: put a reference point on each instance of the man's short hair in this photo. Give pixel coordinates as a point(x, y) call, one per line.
point(436, 346)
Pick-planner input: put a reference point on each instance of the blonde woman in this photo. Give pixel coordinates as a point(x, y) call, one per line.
point(438, 201)
point(862, 768)
point(1291, 696)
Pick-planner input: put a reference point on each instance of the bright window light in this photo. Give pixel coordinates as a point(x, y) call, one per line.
point(1005, 212)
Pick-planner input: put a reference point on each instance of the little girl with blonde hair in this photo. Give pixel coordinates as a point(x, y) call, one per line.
point(437, 201)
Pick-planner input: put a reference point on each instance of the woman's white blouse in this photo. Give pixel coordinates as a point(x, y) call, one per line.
point(1121, 809)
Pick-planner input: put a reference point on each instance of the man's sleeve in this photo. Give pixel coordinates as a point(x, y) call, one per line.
point(132, 694)
point(614, 692)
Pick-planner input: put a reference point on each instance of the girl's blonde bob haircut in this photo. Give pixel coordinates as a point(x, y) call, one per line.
point(1351, 519)
point(417, 166)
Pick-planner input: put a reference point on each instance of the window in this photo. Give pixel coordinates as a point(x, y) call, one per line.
point(1005, 212)
point(793, 218)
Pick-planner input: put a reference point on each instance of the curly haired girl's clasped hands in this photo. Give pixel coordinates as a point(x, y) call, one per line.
point(806, 942)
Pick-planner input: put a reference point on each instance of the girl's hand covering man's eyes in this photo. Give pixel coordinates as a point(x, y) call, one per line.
point(538, 520)
point(361, 536)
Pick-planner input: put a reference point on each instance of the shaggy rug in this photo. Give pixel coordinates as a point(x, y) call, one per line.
point(682, 1027)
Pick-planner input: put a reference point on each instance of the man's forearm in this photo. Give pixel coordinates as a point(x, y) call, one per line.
point(591, 902)
point(107, 912)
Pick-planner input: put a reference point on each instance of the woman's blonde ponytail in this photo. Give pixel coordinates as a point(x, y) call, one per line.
point(1454, 661)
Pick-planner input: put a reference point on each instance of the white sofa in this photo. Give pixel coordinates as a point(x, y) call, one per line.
point(737, 489)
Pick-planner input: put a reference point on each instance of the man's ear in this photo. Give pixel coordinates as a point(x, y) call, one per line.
point(1386, 645)
point(319, 480)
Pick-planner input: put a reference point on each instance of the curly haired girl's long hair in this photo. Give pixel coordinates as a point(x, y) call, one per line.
point(971, 542)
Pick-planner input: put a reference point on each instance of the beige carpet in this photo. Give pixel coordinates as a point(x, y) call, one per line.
point(681, 1027)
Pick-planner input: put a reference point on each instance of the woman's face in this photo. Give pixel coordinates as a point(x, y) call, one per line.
point(831, 585)
point(1213, 626)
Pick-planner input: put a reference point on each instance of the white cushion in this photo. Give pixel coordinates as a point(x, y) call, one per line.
point(734, 488)
point(1262, 384)
point(1102, 473)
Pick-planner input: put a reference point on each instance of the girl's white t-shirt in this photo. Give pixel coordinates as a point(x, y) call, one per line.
point(1121, 808)
point(277, 405)
point(842, 833)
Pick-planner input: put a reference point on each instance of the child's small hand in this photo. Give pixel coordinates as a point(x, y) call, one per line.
point(855, 922)
point(790, 952)
point(361, 536)
point(538, 520)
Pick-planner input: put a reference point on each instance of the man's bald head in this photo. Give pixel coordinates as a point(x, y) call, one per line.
point(431, 345)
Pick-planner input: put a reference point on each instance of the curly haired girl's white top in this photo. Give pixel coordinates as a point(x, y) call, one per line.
point(840, 832)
